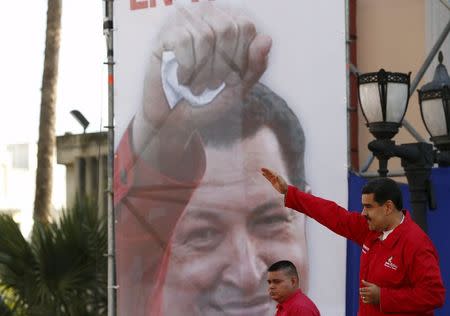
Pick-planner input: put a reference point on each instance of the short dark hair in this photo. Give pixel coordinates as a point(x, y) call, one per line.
point(384, 189)
point(262, 108)
point(285, 266)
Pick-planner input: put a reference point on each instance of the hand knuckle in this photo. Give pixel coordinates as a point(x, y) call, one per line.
point(227, 32)
point(184, 41)
point(248, 30)
point(207, 38)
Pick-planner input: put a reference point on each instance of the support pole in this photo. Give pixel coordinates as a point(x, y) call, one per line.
point(418, 172)
point(108, 32)
point(417, 160)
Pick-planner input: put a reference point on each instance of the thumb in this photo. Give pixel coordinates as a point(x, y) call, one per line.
point(266, 171)
point(364, 282)
point(258, 52)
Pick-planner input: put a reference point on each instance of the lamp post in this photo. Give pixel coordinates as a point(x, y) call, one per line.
point(434, 100)
point(80, 119)
point(383, 97)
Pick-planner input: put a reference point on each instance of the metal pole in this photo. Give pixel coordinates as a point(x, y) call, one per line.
point(108, 32)
point(347, 80)
point(445, 4)
point(368, 162)
point(418, 173)
point(420, 74)
point(347, 77)
point(430, 58)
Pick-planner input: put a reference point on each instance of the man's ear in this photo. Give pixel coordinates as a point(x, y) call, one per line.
point(294, 282)
point(389, 207)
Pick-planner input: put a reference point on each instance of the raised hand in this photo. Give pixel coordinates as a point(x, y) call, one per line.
point(212, 47)
point(276, 180)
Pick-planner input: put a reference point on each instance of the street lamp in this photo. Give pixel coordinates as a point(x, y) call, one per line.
point(383, 97)
point(80, 119)
point(434, 100)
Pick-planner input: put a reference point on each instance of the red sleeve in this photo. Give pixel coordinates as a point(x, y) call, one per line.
point(131, 173)
point(304, 311)
point(426, 292)
point(347, 224)
point(148, 205)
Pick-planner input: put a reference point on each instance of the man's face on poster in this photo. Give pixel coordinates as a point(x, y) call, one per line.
point(234, 227)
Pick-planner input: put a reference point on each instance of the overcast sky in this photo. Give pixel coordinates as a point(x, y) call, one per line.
point(82, 84)
point(82, 75)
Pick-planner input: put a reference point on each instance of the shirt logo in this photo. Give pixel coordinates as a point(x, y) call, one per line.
point(389, 264)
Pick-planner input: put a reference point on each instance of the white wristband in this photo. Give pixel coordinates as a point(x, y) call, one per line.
point(175, 92)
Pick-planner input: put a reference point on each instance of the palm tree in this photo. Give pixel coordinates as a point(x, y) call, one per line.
point(47, 140)
point(62, 270)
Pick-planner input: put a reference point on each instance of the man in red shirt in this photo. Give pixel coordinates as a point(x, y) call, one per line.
point(399, 269)
point(283, 288)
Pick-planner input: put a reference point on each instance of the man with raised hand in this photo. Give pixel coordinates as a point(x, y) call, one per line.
point(399, 269)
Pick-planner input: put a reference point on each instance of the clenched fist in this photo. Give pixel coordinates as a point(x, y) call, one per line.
point(211, 46)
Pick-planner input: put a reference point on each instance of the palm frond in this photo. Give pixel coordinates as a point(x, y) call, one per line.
point(62, 270)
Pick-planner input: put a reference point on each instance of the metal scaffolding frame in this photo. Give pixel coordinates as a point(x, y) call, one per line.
point(108, 31)
point(431, 55)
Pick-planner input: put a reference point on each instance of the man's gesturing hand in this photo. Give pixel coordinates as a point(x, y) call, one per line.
point(276, 180)
point(370, 293)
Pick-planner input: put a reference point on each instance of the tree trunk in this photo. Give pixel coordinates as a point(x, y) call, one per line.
point(47, 139)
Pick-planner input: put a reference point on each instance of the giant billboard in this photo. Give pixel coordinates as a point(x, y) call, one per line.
point(206, 94)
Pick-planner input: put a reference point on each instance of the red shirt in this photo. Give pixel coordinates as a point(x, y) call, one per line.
point(298, 304)
point(405, 265)
point(143, 237)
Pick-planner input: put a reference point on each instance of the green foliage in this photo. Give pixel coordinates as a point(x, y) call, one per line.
point(62, 270)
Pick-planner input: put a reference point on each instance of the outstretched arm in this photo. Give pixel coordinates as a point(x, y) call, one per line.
point(347, 224)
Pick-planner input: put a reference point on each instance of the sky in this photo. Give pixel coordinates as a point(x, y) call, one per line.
point(82, 85)
point(82, 74)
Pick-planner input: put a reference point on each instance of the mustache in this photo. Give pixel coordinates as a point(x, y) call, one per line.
point(227, 296)
point(228, 303)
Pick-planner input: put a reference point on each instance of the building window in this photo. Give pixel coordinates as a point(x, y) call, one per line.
point(19, 156)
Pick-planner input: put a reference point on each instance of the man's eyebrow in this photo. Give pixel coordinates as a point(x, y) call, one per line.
point(207, 214)
point(199, 213)
point(266, 206)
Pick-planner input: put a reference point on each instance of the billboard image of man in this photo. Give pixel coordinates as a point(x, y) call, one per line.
point(196, 230)
point(204, 99)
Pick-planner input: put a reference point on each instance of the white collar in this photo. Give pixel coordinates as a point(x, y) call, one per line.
point(387, 232)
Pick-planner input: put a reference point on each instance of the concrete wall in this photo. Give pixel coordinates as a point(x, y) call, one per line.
point(84, 156)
